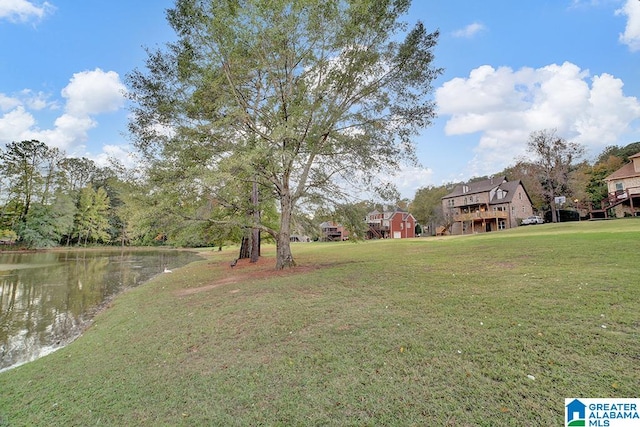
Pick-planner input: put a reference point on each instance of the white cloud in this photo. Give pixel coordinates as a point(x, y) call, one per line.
point(504, 106)
point(631, 35)
point(470, 30)
point(122, 153)
point(408, 179)
point(15, 125)
point(94, 92)
point(8, 103)
point(24, 11)
point(589, 3)
point(69, 133)
point(36, 101)
point(88, 94)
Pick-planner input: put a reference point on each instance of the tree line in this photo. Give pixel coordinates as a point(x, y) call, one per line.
point(48, 199)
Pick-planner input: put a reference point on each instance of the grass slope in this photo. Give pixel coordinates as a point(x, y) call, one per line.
point(486, 330)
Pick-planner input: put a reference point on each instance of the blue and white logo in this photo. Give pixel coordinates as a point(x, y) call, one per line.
point(575, 411)
point(602, 412)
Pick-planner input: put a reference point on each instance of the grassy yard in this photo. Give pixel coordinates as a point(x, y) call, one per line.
point(485, 330)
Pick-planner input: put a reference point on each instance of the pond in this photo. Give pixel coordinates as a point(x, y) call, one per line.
point(48, 298)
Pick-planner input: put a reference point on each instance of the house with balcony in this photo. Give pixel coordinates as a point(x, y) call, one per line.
point(391, 224)
point(623, 187)
point(489, 205)
point(333, 232)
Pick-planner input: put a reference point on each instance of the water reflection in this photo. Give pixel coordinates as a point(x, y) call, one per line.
point(46, 299)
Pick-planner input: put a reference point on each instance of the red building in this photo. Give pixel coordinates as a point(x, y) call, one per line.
point(395, 224)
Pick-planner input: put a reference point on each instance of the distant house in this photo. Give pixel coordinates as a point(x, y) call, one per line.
point(623, 187)
point(330, 232)
point(489, 205)
point(391, 224)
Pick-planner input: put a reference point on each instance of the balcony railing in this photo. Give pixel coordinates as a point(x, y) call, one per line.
point(473, 216)
point(619, 196)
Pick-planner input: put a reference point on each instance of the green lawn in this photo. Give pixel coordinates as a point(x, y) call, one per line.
point(486, 330)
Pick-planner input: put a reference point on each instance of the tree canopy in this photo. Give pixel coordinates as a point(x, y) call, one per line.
point(305, 98)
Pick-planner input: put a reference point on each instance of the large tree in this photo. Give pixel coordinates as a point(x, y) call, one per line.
point(554, 157)
point(427, 206)
point(28, 168)
point(303, 97)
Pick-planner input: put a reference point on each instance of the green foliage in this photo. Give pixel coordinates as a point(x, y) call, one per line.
point(24, 168)
point(35, 176)
point(76, 173)
point(610, 160)
point(352, 218)
point(40, 229)
point(621, 152)
point(8, 236)
point(427, 205)
point(91, 218)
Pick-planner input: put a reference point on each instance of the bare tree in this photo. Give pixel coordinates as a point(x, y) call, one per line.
point(554, 156)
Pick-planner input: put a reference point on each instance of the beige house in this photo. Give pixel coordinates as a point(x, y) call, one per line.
point(490, 205)
point(623, 187)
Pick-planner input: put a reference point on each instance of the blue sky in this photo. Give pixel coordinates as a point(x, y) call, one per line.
point(511, 67)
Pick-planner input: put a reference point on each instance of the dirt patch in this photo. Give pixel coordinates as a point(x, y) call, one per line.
point(245, 270)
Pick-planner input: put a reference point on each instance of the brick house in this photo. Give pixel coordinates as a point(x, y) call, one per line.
point(489, 205)
point(331, 232)
point(623, 187)
point(391, 224)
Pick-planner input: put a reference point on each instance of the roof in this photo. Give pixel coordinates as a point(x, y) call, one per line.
point(626, 171)
point(510, 187)
point(489, 185)
point(388, 214)
point(328, 224)
point(476, 187)
point(387, 211)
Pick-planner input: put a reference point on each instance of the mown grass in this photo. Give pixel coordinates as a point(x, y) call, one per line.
point(424, 332)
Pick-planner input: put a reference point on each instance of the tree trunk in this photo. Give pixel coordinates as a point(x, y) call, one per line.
point(245, 248)
point(284, 257)
point(250, 246)
point(255, 233)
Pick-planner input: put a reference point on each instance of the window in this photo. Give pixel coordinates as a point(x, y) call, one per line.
point(502, 224)
point(465, 188)
point(619, 186)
